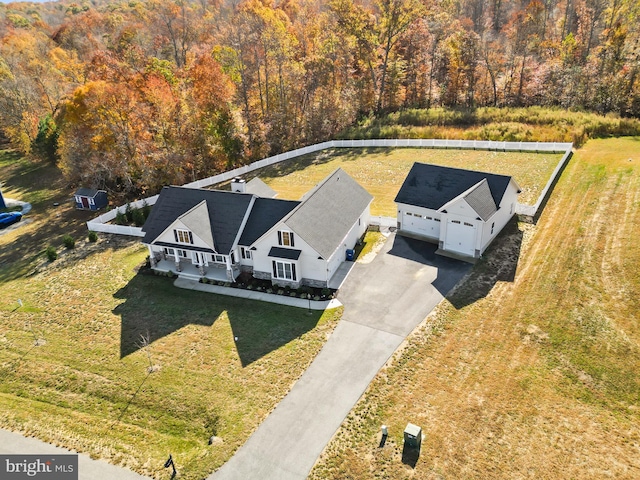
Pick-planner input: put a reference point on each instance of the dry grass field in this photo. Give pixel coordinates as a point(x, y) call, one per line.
point(381, 171)
point(536, 377)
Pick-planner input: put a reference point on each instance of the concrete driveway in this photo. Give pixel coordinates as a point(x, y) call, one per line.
point(384, 301)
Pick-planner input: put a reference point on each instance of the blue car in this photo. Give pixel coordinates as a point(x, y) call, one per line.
point(10, 218)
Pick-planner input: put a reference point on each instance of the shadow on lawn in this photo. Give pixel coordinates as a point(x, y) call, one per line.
point(154, 307)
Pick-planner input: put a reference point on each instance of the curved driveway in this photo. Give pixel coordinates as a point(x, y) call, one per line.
point(384, 301)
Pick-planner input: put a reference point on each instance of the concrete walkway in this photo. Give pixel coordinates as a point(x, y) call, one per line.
point(88, 469)
point(384, 301)
point(253, 295)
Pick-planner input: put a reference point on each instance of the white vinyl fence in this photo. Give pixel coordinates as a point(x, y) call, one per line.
point(100, 224)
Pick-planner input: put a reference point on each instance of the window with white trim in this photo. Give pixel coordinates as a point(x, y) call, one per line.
point(245, 253)
point(169, 251)
point(217, 258)
point(284, 270)
point(182, 253)
point(285, 238)
point(183, 236)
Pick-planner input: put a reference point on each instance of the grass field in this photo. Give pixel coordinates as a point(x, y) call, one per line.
point(74, 369)
point(381, 171)
point(539, 377)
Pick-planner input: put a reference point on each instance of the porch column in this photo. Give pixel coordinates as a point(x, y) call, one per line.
point(227, 261)
point(152, 257)
point(176, 259)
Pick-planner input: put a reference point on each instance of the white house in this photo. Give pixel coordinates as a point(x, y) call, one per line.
point(218, 234)
point(460, 210)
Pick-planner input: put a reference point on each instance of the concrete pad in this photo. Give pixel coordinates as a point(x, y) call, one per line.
point(88, 469)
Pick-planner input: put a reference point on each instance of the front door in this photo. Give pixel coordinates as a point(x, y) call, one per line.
point(197, 258)
point(85, 202)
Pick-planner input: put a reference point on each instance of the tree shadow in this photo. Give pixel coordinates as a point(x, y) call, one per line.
point(154, 307)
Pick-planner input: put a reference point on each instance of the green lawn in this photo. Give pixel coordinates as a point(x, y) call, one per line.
point(86, 384)
point(382, 170)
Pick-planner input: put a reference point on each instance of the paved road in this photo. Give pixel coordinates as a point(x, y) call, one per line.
point(384, 301)
point(88, 469)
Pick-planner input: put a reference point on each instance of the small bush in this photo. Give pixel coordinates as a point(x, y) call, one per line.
point(121, 218)
point(92, 236)
point(128, 212)
point(51, 253)
point(69, 242)
point(146, 209)
point(138, 217)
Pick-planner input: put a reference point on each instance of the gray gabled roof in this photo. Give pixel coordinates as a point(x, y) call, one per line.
point(480, 199)
point(260, 189)
point(328, 212)
point(197, 220)
point(226, 211)
point(432, 186)
point(87, 192)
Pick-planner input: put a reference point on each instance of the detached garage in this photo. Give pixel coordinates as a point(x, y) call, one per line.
point(460, 210)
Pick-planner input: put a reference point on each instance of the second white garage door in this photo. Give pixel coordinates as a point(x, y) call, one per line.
point(461, 237)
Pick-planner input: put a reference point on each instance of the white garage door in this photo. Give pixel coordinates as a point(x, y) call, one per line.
point(422, 224)
point(460, 238)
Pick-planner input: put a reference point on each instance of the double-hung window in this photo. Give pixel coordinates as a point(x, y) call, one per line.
point(285, 238)
point(284, 270)
point(245, 253)
point(183, 236)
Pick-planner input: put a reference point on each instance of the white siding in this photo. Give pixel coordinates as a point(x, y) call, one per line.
point(168, 236)
point(426, 225)
point(340, 254)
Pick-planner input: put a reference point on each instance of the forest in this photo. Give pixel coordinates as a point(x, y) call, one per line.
point(133, 95)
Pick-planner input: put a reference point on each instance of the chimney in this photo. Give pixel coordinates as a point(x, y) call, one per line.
point(238, 185)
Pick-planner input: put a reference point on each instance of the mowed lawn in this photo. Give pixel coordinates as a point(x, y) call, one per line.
point(539, 378)
point(381, 171)
point(74, 368)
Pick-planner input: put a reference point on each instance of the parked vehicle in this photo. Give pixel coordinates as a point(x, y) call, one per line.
point(9, 218)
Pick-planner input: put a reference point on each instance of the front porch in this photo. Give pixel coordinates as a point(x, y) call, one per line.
point(192, 272)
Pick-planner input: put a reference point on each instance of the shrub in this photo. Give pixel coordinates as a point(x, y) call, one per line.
point(128, 212)
point(146, 209)
point(51, 253)
point(69, 242)
point(138, 217)
point(121, 218)
point(92, 236)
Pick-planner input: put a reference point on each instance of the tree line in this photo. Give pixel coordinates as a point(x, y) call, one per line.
point(133, 95)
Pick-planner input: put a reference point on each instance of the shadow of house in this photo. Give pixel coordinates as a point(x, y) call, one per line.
point(154, 307)
point(498, 264)
point(450, 271)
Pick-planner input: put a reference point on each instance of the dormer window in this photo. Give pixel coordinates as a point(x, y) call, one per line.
point(285, 238)
point(183, 236)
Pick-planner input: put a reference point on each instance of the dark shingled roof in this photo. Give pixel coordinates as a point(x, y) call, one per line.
point(87, 192)
point(287, 253)
point(226, 213)
point(266, 212)
point(432, 186)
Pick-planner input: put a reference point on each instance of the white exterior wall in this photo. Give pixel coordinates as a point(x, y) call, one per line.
point(340, 254)
point(459, 210)
point(307, 265)
point(501, 217)
point(168, 236)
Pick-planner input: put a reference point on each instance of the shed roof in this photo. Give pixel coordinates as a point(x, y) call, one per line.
point(328, 212)
point(432, 186)
point(87, 192)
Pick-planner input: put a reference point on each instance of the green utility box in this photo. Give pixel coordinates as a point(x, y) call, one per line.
point(412, 436)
